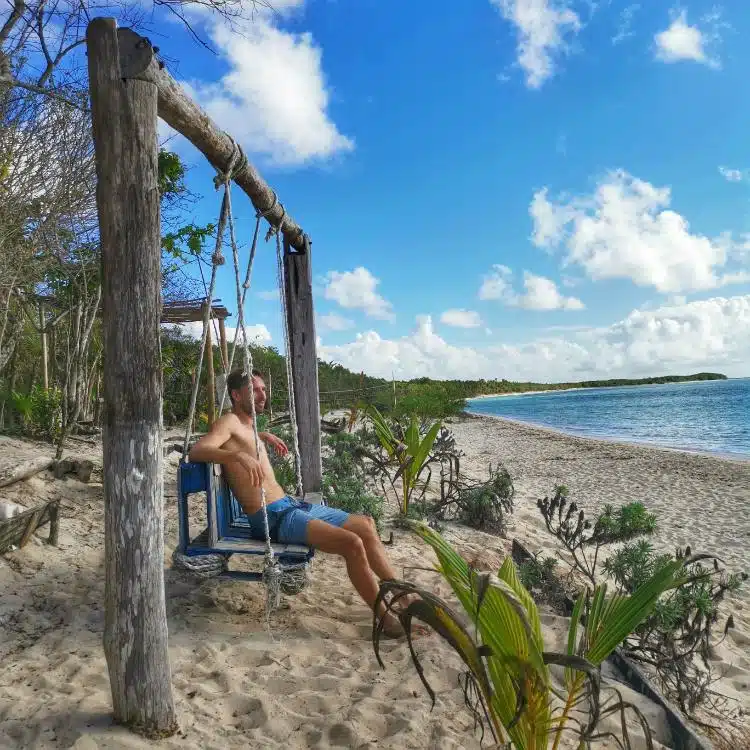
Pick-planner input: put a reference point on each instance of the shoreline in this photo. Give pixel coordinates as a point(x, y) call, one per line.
point(735, 458)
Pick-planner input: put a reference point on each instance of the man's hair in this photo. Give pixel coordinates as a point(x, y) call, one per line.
point(237, 379)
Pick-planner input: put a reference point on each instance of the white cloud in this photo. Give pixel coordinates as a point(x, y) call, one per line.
point(541, 293)
point(274, 99)
point(731, 175)
point(256, 333)
point(627, 230)
point(334, 322)
point(268, 294)
point(712, 334)
point(624, 29)
point(543, 28)
point(357, 290)
point(680, 41)
point(461, 318)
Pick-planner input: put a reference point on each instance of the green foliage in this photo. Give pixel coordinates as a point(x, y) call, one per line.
point(486, 505)
point(40, 412)
point(171, 174)
point(680, 627)
point(407, 449)
point(188, 240)
point(344, 478)
point(583, 539)
point(428, 402)
point(508, 683)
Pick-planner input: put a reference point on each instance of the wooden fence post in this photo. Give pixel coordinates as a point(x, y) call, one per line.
point(124, 121)
point(303, 354)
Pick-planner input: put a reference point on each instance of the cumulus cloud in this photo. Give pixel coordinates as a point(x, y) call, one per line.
point(461, 318)
point(540, 293)
point(544, 28)
point(626, 229)
point(334, 322)
point(731, 175)
point(680, 42)
point(712, 334)
point(274, 98)
point(357, 290)
point(257, 333)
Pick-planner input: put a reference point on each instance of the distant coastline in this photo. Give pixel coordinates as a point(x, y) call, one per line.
point(706, 416)
point(614, 383)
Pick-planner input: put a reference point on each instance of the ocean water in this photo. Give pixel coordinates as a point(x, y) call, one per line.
point(710, 416)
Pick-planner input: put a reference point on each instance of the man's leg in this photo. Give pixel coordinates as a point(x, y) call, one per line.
point(364, 527)
point(341, 541)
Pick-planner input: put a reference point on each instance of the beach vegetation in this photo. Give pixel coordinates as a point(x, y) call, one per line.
point(406, 445)
point(584, 538)
point(677, 638)
point(345, 478)
point(526, 695)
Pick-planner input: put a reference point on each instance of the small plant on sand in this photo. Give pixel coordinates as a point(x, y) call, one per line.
point(483, 505)
point(407, 451)
point(676, 638)
point(508, 683)
point(344, 477)
point(584, 539)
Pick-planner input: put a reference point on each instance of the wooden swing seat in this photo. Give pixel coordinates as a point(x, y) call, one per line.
point(228, 529)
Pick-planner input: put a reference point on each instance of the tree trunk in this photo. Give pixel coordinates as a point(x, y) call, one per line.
point(45, 355)
point(124, 119)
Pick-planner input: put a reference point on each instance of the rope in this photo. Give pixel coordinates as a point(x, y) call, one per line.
point(201, 566)
point(278, 578)
point(217, 259)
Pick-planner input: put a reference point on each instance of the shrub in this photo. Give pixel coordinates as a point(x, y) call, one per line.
point(40, 412)
point(486, 505)
point(344, 477)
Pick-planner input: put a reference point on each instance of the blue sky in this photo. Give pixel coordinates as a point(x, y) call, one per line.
point(501, 188)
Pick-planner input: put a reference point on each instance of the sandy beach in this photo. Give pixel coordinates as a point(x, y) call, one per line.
point(315, 682)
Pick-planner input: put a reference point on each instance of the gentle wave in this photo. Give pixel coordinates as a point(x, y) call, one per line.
point(711, 416)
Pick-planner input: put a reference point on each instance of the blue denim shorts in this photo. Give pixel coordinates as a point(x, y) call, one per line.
point(288, 519)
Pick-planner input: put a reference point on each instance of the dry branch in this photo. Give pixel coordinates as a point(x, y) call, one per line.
point(24, 470)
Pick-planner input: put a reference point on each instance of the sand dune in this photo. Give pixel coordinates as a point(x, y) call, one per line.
point(313, 681)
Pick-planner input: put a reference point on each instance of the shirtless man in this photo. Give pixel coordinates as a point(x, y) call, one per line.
point(231, 443)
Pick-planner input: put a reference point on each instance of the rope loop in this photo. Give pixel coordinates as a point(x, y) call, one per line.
point(275, 230)
point(237, 162)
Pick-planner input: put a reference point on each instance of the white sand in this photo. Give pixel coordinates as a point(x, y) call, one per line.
point(318, 684)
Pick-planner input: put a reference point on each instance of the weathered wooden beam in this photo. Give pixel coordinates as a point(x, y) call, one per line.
point(301, 336)
point(208, 355)
point(124, 122)
point(178, 110)
point(223, 345)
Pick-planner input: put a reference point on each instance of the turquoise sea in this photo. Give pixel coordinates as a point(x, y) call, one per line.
point(710, 416)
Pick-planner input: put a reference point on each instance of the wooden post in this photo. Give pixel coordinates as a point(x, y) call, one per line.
point(45, 356)
point(301, 329)
point(208, 356)
point(223, 344)
point(124, 120)
point(270, 396)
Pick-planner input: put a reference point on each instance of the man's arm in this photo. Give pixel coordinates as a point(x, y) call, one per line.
point(208, 449)
point(275, 442)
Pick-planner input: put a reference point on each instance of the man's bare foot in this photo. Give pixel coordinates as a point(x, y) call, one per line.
point(392, 627)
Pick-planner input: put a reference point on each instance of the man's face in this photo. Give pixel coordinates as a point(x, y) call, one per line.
point(243, 396)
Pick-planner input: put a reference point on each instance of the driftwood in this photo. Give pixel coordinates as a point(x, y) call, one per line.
point(16, 531)
point(24, 470)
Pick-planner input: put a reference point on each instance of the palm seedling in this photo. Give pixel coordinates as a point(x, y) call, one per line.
point(509, 685)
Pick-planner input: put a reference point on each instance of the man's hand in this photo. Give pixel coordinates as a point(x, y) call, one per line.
point(251, 466)
point(275, 442)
